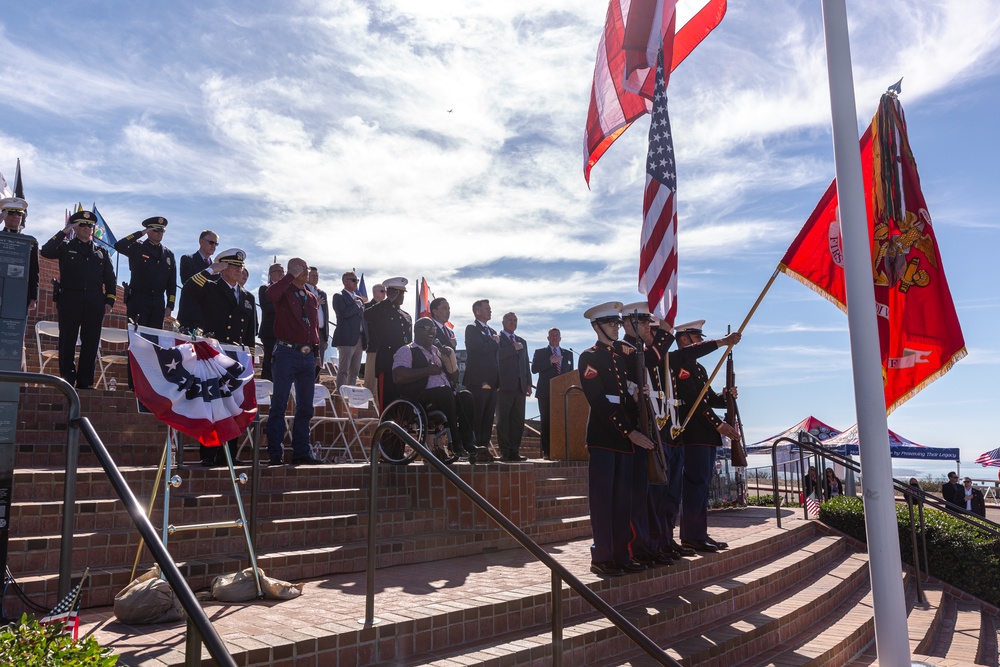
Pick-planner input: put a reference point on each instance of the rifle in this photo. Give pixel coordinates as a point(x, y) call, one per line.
point(738, 446)
point(656, 469)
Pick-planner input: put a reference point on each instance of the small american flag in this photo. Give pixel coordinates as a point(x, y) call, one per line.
point(68, 611)
point(990, 458)
point(812, 506)
point(658, 255)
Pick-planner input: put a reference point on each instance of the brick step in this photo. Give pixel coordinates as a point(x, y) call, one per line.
point(967, 635)
point(112, 547)
point(557, 486)
point(654, 597)
point(554, 507)
point(43, 517)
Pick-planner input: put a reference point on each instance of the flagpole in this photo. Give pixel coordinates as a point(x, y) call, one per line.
point(884, 564)
point(676, 431)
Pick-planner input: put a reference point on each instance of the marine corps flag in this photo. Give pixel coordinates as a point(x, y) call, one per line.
point(919, 333)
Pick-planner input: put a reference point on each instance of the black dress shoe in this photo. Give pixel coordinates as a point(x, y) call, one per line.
point(208, 463)
point(633, 566)
point(306, 461)
point(720, 545)
point(520, 458)
point(607, 569)
point(681, 549)
point(240, 462)
point(700, 545)
point(649, 560)
point(481, 456)
point(274, 461)
point(660, 557)
point(669, 552)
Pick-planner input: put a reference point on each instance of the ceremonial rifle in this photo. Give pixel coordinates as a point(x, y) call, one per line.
point(737, 446)
point(656, 470)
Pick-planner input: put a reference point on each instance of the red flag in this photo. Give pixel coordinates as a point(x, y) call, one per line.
point(424, 299)
point(196, 387)
point(624, 76)
point(919, 333)
point(658, 252)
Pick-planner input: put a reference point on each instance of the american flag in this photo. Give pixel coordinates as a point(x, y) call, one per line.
point(990, 458)
point(812, 506)
point(68, 611)
point(658, 255)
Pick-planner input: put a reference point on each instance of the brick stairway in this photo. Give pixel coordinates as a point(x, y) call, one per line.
point(451, 588)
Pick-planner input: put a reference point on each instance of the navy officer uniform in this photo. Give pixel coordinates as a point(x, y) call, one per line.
point(152, 289)
point(14, 210)
point(611, 441)
point(703, 432)
point(228, 315)
point(86, 294)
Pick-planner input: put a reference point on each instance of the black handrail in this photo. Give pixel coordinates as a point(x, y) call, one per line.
point(78, 424)
point(558, 571)
point(72, 462)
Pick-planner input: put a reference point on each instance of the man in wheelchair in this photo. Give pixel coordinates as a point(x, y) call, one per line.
point(418, 372)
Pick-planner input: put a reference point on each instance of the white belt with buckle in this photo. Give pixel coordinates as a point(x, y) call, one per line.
point(613, 398)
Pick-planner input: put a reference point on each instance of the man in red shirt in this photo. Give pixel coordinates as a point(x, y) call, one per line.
point(295, 360)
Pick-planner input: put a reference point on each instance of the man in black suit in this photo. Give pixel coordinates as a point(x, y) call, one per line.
point(951, 490)
point(514, 388)
point(350, 337)
point(188, 313)
point(548, 362)
point(481, 371)
point(228, 315)
point(266, 331)
point(441, 313)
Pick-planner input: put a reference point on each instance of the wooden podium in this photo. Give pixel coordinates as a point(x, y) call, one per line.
point(579, 412)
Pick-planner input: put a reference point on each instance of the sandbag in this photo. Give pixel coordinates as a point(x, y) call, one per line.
point(241, 587)
point(148, 599)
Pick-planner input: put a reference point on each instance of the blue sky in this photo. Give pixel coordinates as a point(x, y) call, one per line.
point(403, 138)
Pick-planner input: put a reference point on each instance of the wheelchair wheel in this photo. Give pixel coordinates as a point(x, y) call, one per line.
point(408, 416)
point(437, 425)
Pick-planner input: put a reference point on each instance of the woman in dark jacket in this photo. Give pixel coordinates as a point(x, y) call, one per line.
point(834, 487)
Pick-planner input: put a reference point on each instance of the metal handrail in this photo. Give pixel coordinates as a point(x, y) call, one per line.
point(559, 573)
point(196, 614)
point(72, 462)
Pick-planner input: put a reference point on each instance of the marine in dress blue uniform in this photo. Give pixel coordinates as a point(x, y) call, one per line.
point(153, 286)
point(389, 328)
point(86, 295)
point(703, 433)
point(612, 439)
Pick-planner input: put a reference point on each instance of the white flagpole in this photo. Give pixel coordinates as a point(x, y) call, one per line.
point(885, 567)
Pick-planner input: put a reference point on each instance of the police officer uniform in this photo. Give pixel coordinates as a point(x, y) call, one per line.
point(699, 439)
point(604, 376)
point(228, 315)
point(647, 523)
point(154, 273)
point(18, 205)
point(389, 329)
point(86, 287)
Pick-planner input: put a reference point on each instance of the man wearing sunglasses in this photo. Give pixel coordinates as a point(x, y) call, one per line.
point(154, 274)
point(189, 313)
point(13, 210)
point(350, 336)
point(86, 294)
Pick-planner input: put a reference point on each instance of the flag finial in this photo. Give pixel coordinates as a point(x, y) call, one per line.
point(896, 88)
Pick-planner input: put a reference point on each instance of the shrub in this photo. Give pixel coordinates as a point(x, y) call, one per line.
point(28, 644)
point(768, 501)
point(959, 554)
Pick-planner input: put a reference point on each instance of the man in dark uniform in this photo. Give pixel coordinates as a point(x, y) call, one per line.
point(228, 315)
point(266, 331)
point(389, 328)
point(638, 322)
point(702, 434)
point(611, 440)
point(13, 210)
point(154, 274)
point(482, 370)
point(86, 295)
point(188, 315)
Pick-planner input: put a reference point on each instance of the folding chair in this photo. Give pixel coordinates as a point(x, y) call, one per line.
point(359, 398)
point(111, 337)
point(264, 389)
point(324, 405)
point(49, 330)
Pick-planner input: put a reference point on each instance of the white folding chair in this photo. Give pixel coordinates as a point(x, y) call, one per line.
point(111, 337)
point(49, 330)
point(359, 398)
point(326, 413)
point(263, 389)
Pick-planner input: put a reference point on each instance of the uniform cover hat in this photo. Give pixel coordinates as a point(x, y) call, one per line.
point(13, 204)
point(233, 256)
point(156, 222)
point(605, 311)
point(396, 283)
point(694, 327)
point(639, 307)
point(83, 216)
